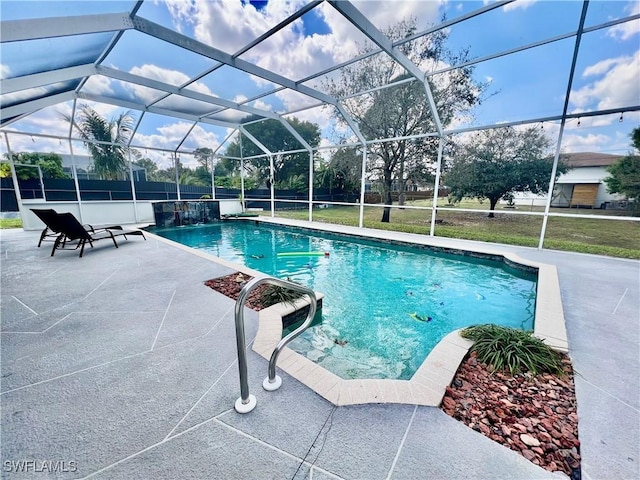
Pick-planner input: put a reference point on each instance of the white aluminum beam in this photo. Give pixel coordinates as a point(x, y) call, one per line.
point(35, 28)
point(440, 26)
point(298, 137)
point(165, 87)
point(554, 168)
point(35, 105)
point(25, 82)
point(160, 111)
point(255, 140)
point(363, 24)
point(352, 123)
point(170, 36)
point(299, 13)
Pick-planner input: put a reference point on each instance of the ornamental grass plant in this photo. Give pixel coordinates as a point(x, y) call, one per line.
point(513, 350)
point(273, 294)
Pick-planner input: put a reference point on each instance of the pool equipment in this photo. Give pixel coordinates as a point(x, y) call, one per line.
point(303, 254)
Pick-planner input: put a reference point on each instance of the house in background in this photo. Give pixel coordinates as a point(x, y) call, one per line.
point(583, 186)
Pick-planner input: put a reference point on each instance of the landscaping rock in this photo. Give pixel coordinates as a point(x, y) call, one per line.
point(533, 415)
point(529, 440)
point(231, 285)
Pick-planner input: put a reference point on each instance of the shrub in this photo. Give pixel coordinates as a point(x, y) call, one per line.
point(273, 294)
point(511, 349)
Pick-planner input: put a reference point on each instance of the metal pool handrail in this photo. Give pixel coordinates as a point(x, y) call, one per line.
point(247, 402)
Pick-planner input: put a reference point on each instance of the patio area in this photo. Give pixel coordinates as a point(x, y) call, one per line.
point(123, 364)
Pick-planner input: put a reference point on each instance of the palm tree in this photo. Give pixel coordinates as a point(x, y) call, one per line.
point(109, 154)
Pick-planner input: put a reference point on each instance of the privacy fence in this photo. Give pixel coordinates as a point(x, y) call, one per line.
point(61, 190)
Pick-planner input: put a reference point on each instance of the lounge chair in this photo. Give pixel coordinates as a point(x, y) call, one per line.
point(52, 231)
point(74, 234)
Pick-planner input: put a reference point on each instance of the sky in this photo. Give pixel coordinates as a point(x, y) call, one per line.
point(526, 85)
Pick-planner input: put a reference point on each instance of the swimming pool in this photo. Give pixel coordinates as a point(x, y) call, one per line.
point(386, 306)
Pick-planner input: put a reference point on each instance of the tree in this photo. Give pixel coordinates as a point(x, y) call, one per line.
point(109, 156)
point(275, 136)
point(347, 165)
point(49, 163)
point(202, 175)
point(625, 173)
point(499, 162)
point(203, 155)
point(403, 110)
point(150, 167)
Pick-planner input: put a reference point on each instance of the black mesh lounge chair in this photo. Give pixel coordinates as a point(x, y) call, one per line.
point(74, 235)
point(52, 230)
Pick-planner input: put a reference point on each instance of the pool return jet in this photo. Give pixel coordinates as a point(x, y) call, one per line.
point(247, 402)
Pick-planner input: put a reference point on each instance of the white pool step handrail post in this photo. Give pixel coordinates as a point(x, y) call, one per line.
point(247, 402)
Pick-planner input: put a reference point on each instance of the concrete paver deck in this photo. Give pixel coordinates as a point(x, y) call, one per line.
point(122, 364)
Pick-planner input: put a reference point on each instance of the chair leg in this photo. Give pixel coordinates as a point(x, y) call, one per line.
point(81, 245)
point(42, 235)
point(113, 237)
point(56, 244)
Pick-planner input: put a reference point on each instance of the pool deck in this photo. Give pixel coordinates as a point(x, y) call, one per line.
point(122, 364)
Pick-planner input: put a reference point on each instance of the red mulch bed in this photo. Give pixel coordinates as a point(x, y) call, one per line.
point(230, 286)
point(533, 415)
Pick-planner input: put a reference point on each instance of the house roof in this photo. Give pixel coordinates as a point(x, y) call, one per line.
point(590, 159)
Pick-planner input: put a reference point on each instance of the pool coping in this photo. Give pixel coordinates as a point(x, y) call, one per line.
point(428, 385)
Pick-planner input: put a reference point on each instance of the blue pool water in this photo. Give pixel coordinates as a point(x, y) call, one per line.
point(375, 293)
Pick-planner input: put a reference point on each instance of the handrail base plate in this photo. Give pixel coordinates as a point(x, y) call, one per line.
point(272, 386)
point(245, 407)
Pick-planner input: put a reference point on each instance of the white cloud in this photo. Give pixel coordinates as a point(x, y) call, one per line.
point(624, 31)
point(584, 143)
point(601, 67)
point(318, 115)
point(293, 55)
point(262, 105)
point(98, 85)
point(293, 100)
point(231, 24)
point(24, 143)
point(168, 136)
point(154, 72)
point(383, 14)
point(618, 86)
point(202, 138)
point(523, 4)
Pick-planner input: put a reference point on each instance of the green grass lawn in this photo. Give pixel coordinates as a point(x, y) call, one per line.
point(616, 238)
point(10, 223)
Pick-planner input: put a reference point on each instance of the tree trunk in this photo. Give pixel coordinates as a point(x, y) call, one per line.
point(386, 213)
point(492, 206)
point(387, 199)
